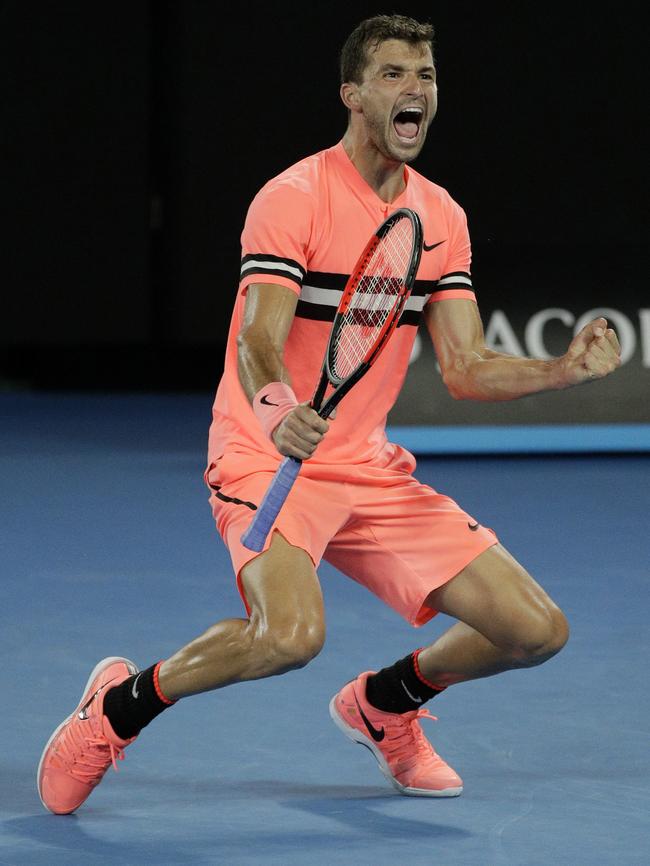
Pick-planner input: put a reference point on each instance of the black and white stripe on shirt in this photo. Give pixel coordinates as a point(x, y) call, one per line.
point(261, 263)
point(454, 280)
point(321, 292)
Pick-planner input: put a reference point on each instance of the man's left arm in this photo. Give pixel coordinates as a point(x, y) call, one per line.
point(471, 371)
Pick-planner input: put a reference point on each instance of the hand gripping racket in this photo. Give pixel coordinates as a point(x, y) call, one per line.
point(368, 313)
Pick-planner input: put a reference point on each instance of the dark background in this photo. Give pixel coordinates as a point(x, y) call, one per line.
point(135, 134)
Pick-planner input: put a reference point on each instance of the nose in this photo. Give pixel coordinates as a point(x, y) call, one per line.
point(413, 83)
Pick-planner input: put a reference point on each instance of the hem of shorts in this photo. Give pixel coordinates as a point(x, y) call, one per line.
point(423, 614)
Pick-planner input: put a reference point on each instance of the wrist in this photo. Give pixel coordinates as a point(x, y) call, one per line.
point(560, 374)
point(272, 404)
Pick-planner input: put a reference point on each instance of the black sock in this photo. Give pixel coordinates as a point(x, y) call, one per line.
point(401, 687)
point(130, 706)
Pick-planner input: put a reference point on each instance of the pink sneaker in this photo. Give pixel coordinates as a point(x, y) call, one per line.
point(83, 747)
point(405, 756)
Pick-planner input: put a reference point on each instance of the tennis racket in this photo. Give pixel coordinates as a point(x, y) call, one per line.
point(368, 313)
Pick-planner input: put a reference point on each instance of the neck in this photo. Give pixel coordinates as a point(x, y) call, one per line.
point(384, 176)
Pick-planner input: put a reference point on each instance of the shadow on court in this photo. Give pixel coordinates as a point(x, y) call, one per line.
point(75, 838)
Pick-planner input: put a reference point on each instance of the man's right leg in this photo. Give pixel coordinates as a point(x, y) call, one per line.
point(285, 630)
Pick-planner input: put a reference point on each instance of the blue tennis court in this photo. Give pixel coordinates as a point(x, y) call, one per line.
point(108, 548)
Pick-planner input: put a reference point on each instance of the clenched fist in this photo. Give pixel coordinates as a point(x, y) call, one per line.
point(593, 353)
point(299, 432)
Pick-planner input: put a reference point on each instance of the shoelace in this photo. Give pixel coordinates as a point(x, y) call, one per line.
point(406, 742)
point(88, 757)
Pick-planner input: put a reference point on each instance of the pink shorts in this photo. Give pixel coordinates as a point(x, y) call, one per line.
point(375, 523)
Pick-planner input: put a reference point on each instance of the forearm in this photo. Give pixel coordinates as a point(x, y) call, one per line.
point(259, 362)
point(268, 316)
point(492, 376)
point(471, 371)
point(295, 429)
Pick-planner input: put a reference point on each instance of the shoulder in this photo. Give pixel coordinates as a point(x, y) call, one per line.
point(290, 200)
point(300, 180)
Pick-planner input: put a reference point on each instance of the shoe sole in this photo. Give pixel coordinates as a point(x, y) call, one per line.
point(104, 663)
point(358, 737)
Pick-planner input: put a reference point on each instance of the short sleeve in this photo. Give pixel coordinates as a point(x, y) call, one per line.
point(456, 279)
point(275, 238)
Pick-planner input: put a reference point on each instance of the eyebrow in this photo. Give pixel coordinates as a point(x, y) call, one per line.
point(399, 68)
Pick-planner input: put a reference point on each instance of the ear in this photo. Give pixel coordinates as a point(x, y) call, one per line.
point(350, 96)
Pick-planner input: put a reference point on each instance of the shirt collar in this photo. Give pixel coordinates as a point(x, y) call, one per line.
point(356, 182)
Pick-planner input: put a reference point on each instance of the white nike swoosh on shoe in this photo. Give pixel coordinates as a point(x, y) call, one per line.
point(83, 712)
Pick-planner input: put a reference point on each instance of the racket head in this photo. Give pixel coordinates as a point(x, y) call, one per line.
point(374, 296)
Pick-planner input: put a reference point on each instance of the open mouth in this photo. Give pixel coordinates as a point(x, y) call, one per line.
point(407, 123)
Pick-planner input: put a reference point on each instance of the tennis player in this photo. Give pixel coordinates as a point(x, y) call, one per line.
point(356, 502)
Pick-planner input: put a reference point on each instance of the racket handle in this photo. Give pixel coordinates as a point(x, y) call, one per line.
point(278, 490)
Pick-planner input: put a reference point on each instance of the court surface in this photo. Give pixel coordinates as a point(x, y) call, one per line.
point(108, 548)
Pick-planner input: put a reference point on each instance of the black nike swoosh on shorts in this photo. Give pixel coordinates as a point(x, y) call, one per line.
point(377, 736)
point(428, 247)
point(473, 526)
point(266, 402)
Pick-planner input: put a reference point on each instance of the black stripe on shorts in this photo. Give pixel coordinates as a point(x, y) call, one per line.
point(233, 499)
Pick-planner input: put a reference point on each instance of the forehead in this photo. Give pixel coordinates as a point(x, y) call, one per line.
point(397, 52)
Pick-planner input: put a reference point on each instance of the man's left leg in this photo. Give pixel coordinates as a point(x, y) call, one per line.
point(506, 621)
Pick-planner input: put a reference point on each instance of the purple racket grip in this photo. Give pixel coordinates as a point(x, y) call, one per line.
point(269, 508)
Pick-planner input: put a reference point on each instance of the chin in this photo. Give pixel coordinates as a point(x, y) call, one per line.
point(407, 153)
point(404, 151)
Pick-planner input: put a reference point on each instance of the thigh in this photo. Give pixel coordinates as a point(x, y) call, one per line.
point(281, 590)
point(495, 595)
point(313, 512)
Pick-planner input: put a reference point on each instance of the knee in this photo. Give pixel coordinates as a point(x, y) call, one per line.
point(543, 637)
point(292, 647)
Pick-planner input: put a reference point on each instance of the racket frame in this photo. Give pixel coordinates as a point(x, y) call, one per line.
point(328, 377)
point(254, 538)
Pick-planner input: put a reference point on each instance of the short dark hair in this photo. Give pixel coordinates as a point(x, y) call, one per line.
point(370, 33)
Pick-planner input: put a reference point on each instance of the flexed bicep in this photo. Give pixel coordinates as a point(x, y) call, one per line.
point(456, 330)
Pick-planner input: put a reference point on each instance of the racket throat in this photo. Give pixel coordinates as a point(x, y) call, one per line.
point(319, 394)
point(341, 390)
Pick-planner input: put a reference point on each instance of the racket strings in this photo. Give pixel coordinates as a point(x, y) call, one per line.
point(378, 290)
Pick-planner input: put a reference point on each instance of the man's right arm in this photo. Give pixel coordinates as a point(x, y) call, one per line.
point(268, 315)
